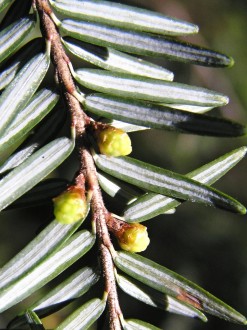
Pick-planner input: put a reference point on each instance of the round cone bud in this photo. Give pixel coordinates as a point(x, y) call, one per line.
point(70, 206)
point(134, 238)
point(113, 142)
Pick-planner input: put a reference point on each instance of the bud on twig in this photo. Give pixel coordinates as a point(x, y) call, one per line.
point(113, 141)
point(70, 206)
point(131, 237)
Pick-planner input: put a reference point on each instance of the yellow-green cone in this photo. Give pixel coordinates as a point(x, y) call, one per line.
point(113, 142)
point(134, 238)
point(70, 206)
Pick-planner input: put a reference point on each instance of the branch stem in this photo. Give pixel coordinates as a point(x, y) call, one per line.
point(79, 121)
point(100, 218)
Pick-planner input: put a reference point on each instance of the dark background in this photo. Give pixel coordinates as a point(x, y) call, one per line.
point(206, 245)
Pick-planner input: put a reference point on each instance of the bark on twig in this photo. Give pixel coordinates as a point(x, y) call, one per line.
point(79, 120)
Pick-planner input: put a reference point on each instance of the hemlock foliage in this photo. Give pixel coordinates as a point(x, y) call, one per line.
point(113, 83)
